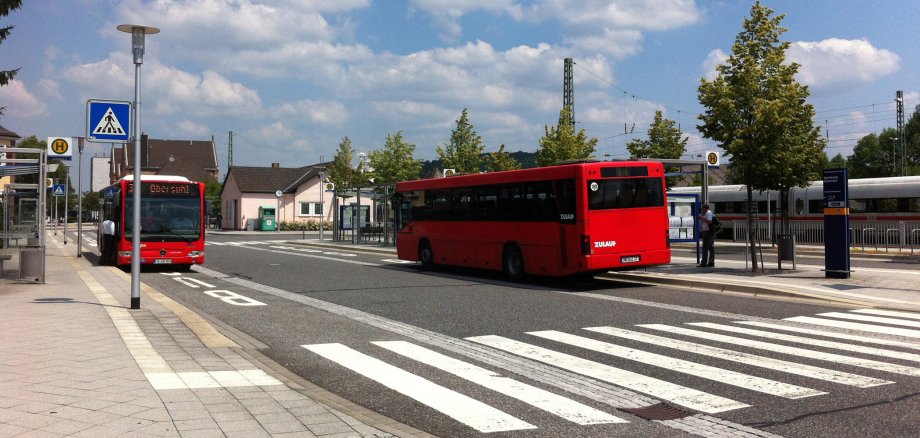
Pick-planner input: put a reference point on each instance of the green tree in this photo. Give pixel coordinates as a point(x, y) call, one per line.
point(7, 6)
point(463, 152)
point(758, 113)
point(212, 190)
point(501, 160)
point(872, 155)
point(912, 137)
point(838, 162)
point(91, 201)
point(340, 171)
point(561, 143)
point(663, 142)
point(395, 162)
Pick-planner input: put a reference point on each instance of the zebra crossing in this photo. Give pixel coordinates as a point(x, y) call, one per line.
point(877, 344)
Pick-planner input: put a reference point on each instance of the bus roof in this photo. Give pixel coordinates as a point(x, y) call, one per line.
point(522, 175)
point(169, 178)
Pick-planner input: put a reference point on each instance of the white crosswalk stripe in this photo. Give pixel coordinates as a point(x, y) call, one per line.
point(746, 358)
point(869, 318)
point(677, 394)
point(830, 334)
point(545, 400)
point(808, 341)
point(891, 313)
point(896, 331)
point(462, 408)
point(733, 378)
point(777, 348)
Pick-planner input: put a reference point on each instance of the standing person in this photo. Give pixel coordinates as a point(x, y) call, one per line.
point(108, 242)
point(709, 238)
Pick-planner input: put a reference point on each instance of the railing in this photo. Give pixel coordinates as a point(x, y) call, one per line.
point(872, 235)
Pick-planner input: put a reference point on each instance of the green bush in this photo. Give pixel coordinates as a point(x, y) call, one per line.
point(309, 225)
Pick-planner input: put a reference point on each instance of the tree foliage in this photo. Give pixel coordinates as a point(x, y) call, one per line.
point(561, 143)
point(872, 156)
point(7, 6)
point(838, 162)
point(664, 141)
point(463, 152)
point(758, 113)
point(340, 172)
point(395, 162)
point(501, 160)
point(912, 138)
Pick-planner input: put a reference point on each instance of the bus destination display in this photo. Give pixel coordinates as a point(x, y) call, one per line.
point(165, 189)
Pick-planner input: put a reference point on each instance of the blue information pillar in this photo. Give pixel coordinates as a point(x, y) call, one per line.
point(836, 224)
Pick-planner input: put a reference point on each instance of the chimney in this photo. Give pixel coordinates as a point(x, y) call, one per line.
point(276, 165)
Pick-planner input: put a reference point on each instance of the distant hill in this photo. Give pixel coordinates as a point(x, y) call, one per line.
point(527, 160)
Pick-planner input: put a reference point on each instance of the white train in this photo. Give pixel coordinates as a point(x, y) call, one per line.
point(883, 211)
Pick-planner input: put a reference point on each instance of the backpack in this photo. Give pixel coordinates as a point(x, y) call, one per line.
point(716, 225)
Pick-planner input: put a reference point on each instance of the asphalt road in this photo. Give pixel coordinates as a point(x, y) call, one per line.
point(337, 317)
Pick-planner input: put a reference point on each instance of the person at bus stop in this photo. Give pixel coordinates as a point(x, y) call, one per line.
point(108, 242)
point(709, 238)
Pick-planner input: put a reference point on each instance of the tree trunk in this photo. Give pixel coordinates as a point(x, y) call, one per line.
point(752, 232)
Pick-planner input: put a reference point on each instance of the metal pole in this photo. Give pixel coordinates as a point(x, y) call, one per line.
point(137, 48)
point(80, 197)
point(66, 203)
point(322, 188)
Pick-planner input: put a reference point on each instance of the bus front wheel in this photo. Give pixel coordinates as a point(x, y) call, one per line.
point(513, 263)
point(425, 255)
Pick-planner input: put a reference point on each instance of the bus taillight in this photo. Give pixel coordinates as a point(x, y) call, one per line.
point(585, 245)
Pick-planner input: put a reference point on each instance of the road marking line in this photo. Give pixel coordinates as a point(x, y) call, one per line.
point(746, 358)
point(809, 341)
point(722, 375)
point(857, 326)
point(802, 352)
point(466, 410)
point(678, 394)
point(892, 313)
point(830, 334)
point(545, 400)
point(869, 318)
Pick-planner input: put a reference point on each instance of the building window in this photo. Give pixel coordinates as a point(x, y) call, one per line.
point(311, 209)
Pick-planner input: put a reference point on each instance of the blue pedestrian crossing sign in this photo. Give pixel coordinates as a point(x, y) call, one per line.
point(108, 121)
point(58, 189)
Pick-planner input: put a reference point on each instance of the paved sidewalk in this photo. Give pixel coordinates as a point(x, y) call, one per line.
point(75, 361)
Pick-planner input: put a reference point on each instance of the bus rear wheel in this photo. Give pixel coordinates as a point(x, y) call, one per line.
point(425, 255)
point(513, 263)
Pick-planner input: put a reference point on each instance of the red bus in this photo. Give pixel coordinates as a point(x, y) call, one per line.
point(554, 221)
point(172, 221)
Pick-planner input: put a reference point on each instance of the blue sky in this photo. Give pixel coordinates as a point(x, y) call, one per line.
point(291, 78)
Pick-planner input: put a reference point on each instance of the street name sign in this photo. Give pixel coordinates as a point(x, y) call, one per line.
point(108, 121)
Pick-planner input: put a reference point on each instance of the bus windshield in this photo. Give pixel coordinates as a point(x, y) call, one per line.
point(166, 219)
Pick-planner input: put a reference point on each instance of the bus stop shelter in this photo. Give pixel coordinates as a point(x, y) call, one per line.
point(22, 236)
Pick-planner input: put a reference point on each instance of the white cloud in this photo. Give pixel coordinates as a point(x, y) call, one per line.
point(276, 131)
point(619, 43)
point(714, 58)
point(837, 61)
point(19, 102)
point(637, 14)
point(193, 129)
point(316, 111)
point(446, 14)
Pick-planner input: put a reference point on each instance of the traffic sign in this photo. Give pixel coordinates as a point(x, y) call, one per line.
point(712, 157)
point(108, 121)
point(59, 189)
point(59, 148)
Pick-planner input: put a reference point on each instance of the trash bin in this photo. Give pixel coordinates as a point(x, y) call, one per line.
point(32, 264)
point(786, 249)
point(250, 224)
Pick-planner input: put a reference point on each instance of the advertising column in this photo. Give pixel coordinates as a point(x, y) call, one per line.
point(836, 224)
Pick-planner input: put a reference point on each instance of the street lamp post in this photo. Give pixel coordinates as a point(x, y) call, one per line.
point(80, 197)
point(137, 47)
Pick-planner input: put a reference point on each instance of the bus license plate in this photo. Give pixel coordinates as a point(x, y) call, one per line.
point(629, 259)
point(162, 261)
